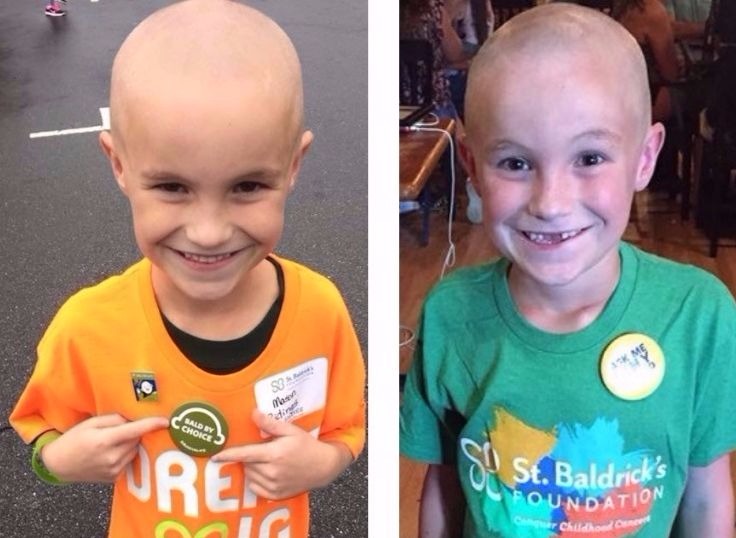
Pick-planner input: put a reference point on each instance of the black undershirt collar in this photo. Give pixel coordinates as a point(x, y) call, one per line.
point(228, 356)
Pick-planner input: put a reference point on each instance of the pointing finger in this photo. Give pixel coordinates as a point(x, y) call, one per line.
point(137, 428)
point(105, 421)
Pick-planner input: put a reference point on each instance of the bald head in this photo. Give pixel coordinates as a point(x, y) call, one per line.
point(559, 33)
point(211, 50)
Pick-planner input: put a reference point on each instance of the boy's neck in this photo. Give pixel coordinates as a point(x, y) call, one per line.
point(226, 319)
point(570, 307)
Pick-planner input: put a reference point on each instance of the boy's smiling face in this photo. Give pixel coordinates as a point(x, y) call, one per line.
point(557, 154)
point(206, 145)
point(207, 184)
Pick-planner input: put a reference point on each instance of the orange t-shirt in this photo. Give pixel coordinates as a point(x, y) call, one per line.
point(310, 372)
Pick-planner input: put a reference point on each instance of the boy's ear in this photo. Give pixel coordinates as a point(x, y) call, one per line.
point(653, 142)
point(108, 148)
point(296, 163)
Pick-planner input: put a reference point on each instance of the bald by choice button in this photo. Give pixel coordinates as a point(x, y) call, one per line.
point(632, 366)
point(198, 429)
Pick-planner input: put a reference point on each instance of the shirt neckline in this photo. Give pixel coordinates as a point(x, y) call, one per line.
point(228, 356)
point(591, 335)
point(220, 382)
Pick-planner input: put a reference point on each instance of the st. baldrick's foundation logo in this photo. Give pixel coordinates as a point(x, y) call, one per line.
point(570, 479)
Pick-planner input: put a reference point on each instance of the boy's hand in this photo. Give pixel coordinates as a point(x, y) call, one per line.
point(98, 449)
point(288, 464)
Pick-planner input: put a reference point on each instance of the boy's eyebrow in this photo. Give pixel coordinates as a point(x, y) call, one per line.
point(162, 175)
point(504, 143)
point(605, 134)
point(598, 134)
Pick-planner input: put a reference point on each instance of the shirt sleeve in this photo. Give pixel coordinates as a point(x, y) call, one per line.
point(714, 428)
point(428, 426)
point(52, 399)
point(344, 418)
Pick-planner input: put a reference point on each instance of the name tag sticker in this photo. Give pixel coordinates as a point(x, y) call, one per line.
point(294, 392)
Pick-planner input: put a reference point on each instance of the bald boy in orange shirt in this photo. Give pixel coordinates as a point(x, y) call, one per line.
point(213, 382)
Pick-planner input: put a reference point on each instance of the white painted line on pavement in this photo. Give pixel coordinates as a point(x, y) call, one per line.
point(104, 113)
point(62, 132)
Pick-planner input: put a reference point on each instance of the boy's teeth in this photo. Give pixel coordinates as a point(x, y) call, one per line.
point(551, 238)
point(205, 259)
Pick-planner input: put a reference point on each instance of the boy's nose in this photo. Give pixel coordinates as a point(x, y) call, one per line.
point(209, 228)
point(552, 195)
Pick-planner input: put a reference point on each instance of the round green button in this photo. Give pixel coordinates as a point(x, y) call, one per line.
point(198, 429)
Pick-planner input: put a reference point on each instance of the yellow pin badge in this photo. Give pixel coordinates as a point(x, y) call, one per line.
point(632, 366)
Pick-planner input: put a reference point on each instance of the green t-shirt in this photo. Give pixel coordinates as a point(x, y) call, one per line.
point(543, 448)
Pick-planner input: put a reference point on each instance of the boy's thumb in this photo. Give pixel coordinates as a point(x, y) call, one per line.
point(271, 426)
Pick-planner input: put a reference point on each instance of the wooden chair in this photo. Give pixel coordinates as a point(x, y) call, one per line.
point(689, 93)
point(503, 10)
point(416, 62)
point(716, 211)
point(716, 203)
point(713, 73)
point(676, 157)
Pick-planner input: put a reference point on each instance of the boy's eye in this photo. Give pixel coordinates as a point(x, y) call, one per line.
point(248, 187)
point(171, 187)
point(590, 159)
point(514, 164)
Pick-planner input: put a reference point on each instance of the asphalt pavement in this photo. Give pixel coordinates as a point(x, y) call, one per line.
point(64, 225)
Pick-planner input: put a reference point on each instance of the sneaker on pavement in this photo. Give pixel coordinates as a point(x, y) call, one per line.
point(51, 11)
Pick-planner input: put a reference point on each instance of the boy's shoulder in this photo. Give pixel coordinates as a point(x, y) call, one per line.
point(468, 281)
point(312, 301)
point(665, 276)
point(113, 293)
point(466, 295)
point(309, 283)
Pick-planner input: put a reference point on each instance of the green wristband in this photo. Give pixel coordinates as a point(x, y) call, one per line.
point(37, 464)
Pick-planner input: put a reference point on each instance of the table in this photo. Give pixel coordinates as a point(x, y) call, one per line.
point(419, 153)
